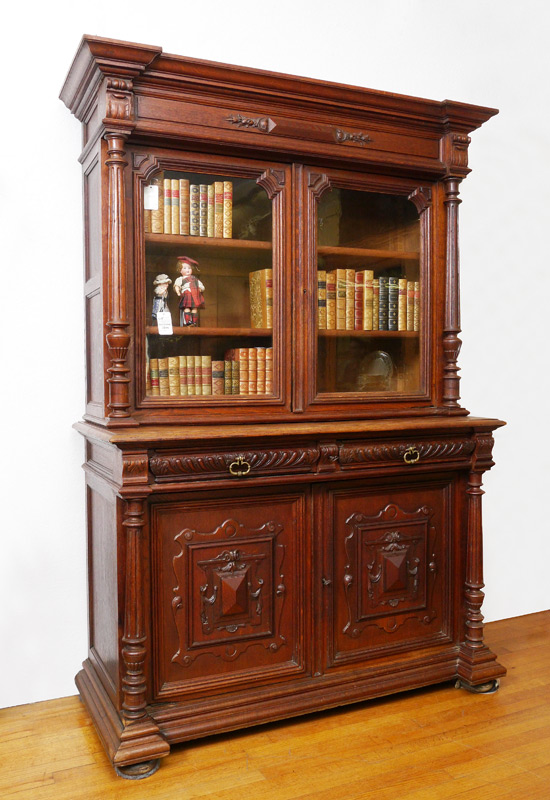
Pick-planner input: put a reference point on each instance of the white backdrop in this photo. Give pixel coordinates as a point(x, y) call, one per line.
point(479, 51)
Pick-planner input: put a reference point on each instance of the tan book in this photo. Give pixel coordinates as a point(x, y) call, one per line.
point(227, 377)
point(241, 354)
point(147, 220)
point(340, 299)
point(184, 207)
point(174, 376)
point(269, 370)
point(261, 373)
point(218, 377)
point(154, 372)
point(206, 373)
point(367, 300)
point(191, 375)
point(218, 209)
point(198, 374)
point(194, 209)
point(175, 205)
point(164, 385)
point(235, 382)
point(359, 299)
point(402, 305)
point(183, 375)
point(210, 211)
point(331, 300)
point(322, 299)
point(147, 378)
point(375, 303)
point(167, 186)
point(203, 209)
point(157, 214)
point(350, 299)
point(410, 305)
point(252, 371)
point(416, 315)
point(261, 298)
point(227, 210)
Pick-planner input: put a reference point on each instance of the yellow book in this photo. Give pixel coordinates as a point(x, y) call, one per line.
point(175, 204)
point(416, 314)
point(375, 303)
point(367, 300)
point(174, 376)
point(218, 209)
point(191, 375)
point(206, 374)
point(154, 372)
point(261, 298)
point(261, 370)
point(147, 216)
point(197, 362)
point(184, 206)
point(164, 384)
point(341, 292)
point(183, 375)
point(227, 210)
point(410, 305)
point(402, 305)
point(167, 205)
point(157, 214)
point(331, 300)
point(210, 211)
point(322, 299)
point(252, 370)
point(350, 299)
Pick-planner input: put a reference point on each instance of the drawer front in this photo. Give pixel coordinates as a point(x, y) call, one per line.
point(230, 596)
point(399, 452)
point(233, 463)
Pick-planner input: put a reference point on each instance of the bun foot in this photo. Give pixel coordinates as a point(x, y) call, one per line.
point(136, 772)
point(490, 687)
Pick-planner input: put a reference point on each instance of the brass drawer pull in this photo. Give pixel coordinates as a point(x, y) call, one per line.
point(411, 455)
point(239, 467)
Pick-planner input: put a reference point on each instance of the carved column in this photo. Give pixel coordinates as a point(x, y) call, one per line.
point(451, 342)
point(474, 564)
point(133, 650)
point(117, 338)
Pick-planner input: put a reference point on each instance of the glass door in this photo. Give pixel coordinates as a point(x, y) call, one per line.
point(370, 294)
point(211, 290)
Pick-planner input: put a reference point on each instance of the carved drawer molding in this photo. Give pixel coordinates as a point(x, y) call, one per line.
point(405, 451)
point(235, 463)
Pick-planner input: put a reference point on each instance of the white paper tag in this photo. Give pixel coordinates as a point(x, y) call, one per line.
point(164, 321)
point(151, 198)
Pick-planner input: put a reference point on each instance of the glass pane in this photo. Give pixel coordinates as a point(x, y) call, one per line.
point(208, 274)
point(369, 293)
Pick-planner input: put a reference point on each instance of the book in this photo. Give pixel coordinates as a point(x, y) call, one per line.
point(367, 300)
point(227, 377)
point(147, 378)
point(227, 210)
point(252, 371)
point(375, 303)
point(322, 299)
point(206, 374)
point(350, 299)
point(359, 300)
point(340, 280)
point(331, 300)
point(203, 209)
point(402, 305)
point(190, 375)
point(184, 206)
point(174, 376)
point(157, 214)
point(241, 355)
point(261, 369)
point(218, 209)
point(194, 209)
point(154, 372)
point(210, 211)
point(416, 315)
point(164, 385)
point(410, 305)
point(147, 216)
point(218, 377)
point(235, 378)
point(197, 365)
point(261, 298)
point(167, 192)
point(393, 300)
point(383, 304)
point(183, 375)
point(269, 370)
point(175, 205)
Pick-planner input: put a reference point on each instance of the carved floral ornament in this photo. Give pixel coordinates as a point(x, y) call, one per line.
point(262, 124)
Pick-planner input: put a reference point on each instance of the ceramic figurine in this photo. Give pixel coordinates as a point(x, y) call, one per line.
point(160, 297)
point(189, 290)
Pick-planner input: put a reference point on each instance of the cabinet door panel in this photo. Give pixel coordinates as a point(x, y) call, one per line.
point(230, 601)
point(391, 571)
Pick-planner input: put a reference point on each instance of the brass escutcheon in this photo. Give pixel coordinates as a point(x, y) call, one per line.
point(411, 455)
point(239, 467)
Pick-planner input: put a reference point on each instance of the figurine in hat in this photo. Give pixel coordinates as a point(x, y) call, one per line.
point(160, 297)
point(189, 290)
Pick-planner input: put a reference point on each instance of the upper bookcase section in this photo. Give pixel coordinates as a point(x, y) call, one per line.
point(122, 86)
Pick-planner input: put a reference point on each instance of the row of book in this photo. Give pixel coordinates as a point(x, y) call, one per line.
point(244, 371)
point(355, 300)
point(189, 209)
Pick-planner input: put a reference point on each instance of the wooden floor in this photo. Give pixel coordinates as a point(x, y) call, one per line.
point(431, 743)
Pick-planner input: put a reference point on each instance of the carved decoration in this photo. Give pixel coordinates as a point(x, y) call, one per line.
point(239, 581)
point(360, 138)
point(119, 99)
point(196, 465)
point(272, 181)
point(263, 124)
point(388, 577)
point(422, 198)
point(473, 593)
point(436, 449)
point(451, 342)
point(138, 159)
point(318, 184)
point(134, 468)
point(483, 455)
point(328, 458)
point(455, 153)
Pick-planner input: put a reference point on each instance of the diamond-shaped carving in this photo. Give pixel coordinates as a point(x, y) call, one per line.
point(234, 598)
point(395, 572)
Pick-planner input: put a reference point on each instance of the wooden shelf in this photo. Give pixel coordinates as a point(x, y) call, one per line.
point(363, 252)
point(191, 330)
point(375, 334)
point(208, 244)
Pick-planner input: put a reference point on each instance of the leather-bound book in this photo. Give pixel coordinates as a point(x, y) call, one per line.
point(402, 305)
point(383, 304)
point(393, 302)
point(218, 209)
point(322, 300)
point(167, 205)
point(261, 369)
point(367, 300)
point(175, 204)
point(157, 214)
point(410, 305)
point(210, 211)
point(269, 370)
point(331, 300)
point(164, 385)
point(174, 375)
point(184, 206)
point(206, 373)
point(261, 298)
point(198, 374)
point(416, 316)
point(191, 375)
point(228, 389)
point(218, 377)
point(227, 210)
point(203, 210)
point(183, 375)
point(359, 300)
point(341, 299)
point(375, 303)
point(154, 372)
point(350, 299)
point(194, 209)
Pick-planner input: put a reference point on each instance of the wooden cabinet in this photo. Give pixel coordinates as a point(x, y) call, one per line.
point(284, 493)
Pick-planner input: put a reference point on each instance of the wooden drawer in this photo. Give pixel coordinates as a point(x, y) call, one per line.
point(396, 452)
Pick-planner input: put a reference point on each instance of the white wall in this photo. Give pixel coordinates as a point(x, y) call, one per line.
point(486, 52)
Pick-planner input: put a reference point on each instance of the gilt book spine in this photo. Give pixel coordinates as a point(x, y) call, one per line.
point(269, 370)
point(416, 316)
point(164, 385)
point(235, 377)
point(410, 305)
point(210, 211)
point(167, 205)
point(252, 370)
point(350, 299)
point(261, 298)
point(184, 207)
point(198, 374)
point(227, 388)
point(393, 302)
point(206, 374)
point(331, 300)
point(359, 299)
point(241, 354)
point(375, 303)
point(157, 214)
point(191, 375)
point(175, 205)
point(341, 299)
point(218, 377)
point(367, 300)
point(383, 304)
point(174, 376)
point(261, 369)
point(183, 375)
point(402, 305)
point(203, 209)
point(322, 300)
point(227, 210)
point(194, 209)
point(154, 371)
point(218, 209)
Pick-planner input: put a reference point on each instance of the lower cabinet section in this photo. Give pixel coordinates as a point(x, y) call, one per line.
point(230, 594)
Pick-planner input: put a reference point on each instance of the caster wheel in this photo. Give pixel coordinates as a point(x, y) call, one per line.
point(136, 772)
point(481, 688)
